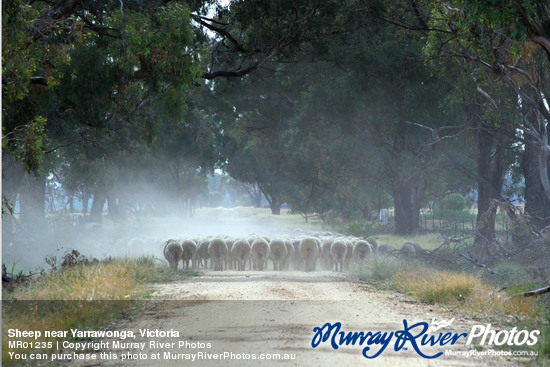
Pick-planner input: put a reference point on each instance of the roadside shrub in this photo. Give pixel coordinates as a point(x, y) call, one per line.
point(444, 287)
point(378, 270)
point(465, 291)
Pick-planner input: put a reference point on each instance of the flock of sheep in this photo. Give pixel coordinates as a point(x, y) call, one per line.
point(334, 252)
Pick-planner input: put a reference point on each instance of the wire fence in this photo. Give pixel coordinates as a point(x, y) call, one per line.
point(432, 223)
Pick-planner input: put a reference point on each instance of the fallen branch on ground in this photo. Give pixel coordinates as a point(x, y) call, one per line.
point(535, 293)
point(491, 271)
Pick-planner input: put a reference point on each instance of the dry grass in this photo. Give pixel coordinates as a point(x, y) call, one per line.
point(101, 281)
point(379, 271)
point(85, 296)
point(466, 293)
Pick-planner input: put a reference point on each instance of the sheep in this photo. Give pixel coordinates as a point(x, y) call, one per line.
point(339, 251)
point(308, 251)
point(349, 254)
point(189, 253)
point(240, 253)
point(217, 250)
point(373, 243)
point(289, 255)
point(297, 259)
point(407, 250)
point(259, 252)
point(173, 252)
point(228, 258)
point(362, 250)
point(277, 253)
point(203, 254)
point(329, 260)
point(319, 252)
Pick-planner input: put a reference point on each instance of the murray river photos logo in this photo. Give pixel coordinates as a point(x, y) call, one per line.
point(421, 336)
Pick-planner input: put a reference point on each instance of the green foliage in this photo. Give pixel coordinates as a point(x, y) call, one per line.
point(18, 62)
point(451, 206)
point(100, 92)
point(27, 143)
point(455, 202)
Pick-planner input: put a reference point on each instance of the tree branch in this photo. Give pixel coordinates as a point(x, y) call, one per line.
point(45, 22)
point(535, 293)
point(245, 71)
point(419, 17)
point(415, 28)
point(98, 29)
point(221, 31)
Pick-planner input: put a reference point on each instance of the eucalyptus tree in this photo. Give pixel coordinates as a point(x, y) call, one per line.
point(259, 109)
point(510, 41)
point(98, 76)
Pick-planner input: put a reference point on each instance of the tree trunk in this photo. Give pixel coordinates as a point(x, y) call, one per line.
point(254, 193)
point(32, 203)
point(486, 213)
point(71, 203)
point(491, 168)
point(275, 206)
point(537, 205)
point(112, 207)
point(272, 198)
point(407, 196)
point(96, 212)
point(123, 208)
point(85, 199)
point(256, 199)
point(12, 174)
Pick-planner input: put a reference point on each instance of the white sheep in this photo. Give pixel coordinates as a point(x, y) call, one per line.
point(339, 252)
point(173, 252)
point(277, 253)
point(349, 254)
point(297, 259)
point(240, 253)
point(189, 253)
point(227, 258)
point(259, 252)
point(319, 253)
point(203, 254)
point(373, 243)
point(362, 250)
point(289, 254)
point(217, 250)
point(309, 249)
point(329, 260)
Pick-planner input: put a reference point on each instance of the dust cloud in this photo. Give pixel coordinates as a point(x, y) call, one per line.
point(145, 236)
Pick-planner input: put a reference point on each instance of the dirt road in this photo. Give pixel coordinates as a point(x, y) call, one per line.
point(257, 314)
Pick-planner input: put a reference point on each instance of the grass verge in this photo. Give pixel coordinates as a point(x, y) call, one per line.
point(83, 296)
point(462, 293)
point(427, 241)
